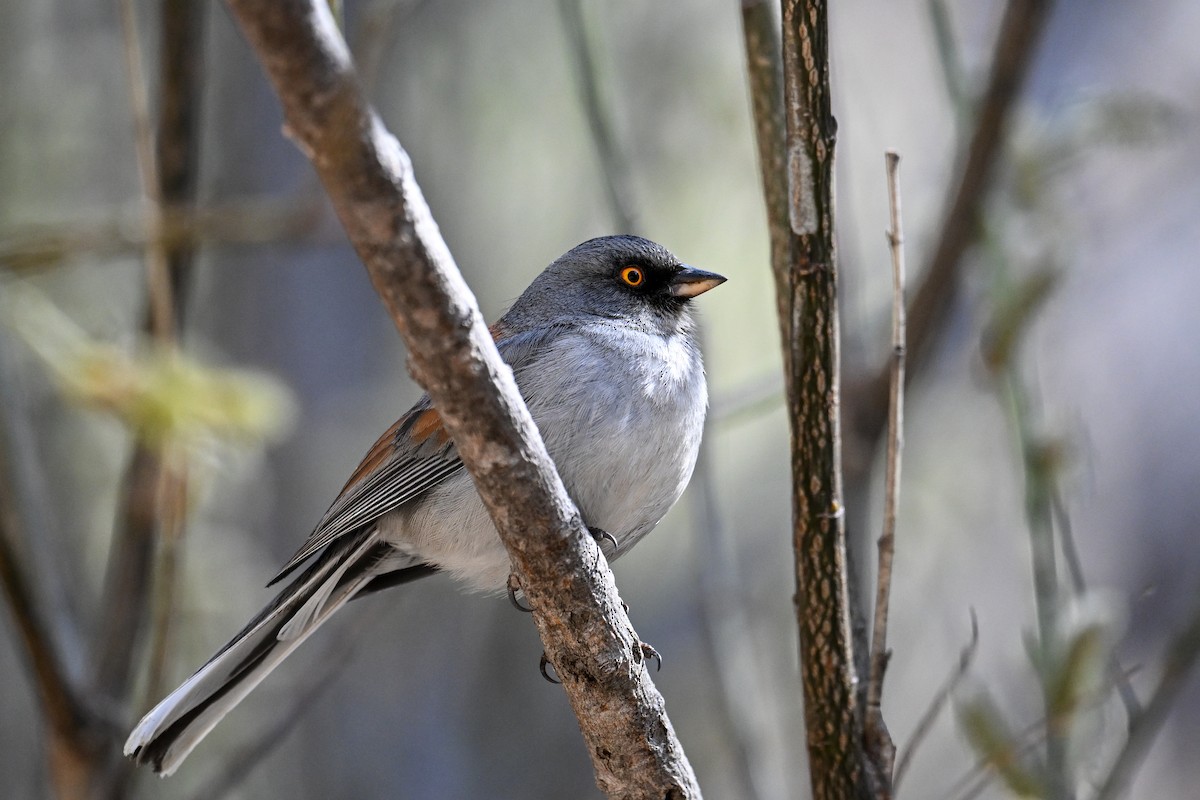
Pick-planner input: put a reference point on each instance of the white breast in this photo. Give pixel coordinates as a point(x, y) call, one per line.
point(623, 424)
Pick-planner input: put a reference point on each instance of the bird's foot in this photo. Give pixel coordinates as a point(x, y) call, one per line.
point(600, 535)
point(514, 586)
point(648, 653)
point(542, 665)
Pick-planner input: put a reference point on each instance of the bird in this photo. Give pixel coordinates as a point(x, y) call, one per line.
point(604, 348)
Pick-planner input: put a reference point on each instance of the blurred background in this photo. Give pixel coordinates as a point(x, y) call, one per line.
point(425, 692)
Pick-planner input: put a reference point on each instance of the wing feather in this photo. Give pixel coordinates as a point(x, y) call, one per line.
point(411, 457)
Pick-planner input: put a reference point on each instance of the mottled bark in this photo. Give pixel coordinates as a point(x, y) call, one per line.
point(832, 706)
point(369, 178)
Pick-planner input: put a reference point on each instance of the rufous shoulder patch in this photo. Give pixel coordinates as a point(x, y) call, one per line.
point(377, 455)
point(428, 423)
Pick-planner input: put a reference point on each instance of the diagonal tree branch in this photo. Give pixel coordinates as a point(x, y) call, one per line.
point(369, 178)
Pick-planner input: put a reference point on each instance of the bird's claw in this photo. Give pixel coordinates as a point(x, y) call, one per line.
point(514, 586)
point(648, 653)
point(599, 534)
point(545, 662)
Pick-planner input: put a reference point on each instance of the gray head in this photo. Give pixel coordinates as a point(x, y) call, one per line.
point(615, 277)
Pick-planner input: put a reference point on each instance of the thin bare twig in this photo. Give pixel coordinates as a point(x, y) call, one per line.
point(369, 178)
point(936, 704)
point(876, 730)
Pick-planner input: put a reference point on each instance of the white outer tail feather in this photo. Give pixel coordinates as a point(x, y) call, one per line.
point(321, 597)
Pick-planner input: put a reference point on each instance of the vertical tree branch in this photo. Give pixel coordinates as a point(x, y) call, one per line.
point(370, 181)
point(827, 660)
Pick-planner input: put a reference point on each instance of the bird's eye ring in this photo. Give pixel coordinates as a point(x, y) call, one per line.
point(633, 276)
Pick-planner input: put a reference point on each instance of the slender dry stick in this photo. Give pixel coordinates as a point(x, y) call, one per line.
point(838, 760)
point(876, 731)
point(369, 178)
point(936, 704)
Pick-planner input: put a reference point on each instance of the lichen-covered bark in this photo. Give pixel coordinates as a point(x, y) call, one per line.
point(369, 178)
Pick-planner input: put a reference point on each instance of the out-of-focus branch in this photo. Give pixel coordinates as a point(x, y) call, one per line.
point(71, 733)
point(879, 741)
point(1181, 659)
point(934, 709)
point(1016, 46)
point(140, 581)
point(617, 181)
point(241, 222)
point(1066, 540)
point(369, 177)
point(839, 763)
point(180, 91)
point(764, 70)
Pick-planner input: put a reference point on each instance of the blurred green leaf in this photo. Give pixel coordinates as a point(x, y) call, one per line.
point(160, 394)
point(1013, 317)
point(994, 742)
point(1076, 674)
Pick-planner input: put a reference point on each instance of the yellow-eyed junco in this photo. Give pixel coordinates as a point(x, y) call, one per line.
point(603, 347)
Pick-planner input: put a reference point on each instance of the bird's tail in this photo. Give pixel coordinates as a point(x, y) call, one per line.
point(168, 733)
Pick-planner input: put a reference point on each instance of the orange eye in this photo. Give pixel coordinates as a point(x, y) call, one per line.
point(633, 276)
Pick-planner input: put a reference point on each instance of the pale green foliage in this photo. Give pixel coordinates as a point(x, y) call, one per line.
point(161, 395)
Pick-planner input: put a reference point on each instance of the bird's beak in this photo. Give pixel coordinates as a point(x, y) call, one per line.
point(689, 282)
